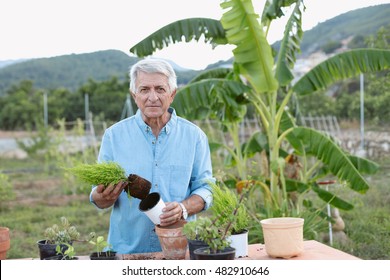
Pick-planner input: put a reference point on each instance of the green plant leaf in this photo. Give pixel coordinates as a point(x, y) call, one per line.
point(182, 30)
point(290, 45)
point(253, 54)
point(321, 146)
point(341, 66)
point(332, 199)
point(218, 96)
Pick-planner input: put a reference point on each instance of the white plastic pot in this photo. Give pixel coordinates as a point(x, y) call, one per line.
point(240, 243)
point(152, 206)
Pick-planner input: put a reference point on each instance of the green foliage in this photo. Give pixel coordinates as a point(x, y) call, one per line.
point(228, 206)
point(67, 71)
point(68, 254)
point(105, 173)
point(38, 142)
point(352, 23)
point(227, 215)
point(6, 189)
point(61, 234)
point(99, 243)
point(207, 230)
point(331, 47)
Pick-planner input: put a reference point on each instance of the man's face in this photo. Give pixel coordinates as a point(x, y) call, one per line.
point(153, 95)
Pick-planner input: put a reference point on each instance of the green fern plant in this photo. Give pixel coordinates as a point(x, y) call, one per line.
point(228, 215)
point(111, 173)
point(105, 173)
point(225, 203)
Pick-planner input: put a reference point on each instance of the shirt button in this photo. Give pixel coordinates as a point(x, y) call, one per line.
point(153, 142)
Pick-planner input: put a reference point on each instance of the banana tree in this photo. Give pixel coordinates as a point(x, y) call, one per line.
point(263, 78)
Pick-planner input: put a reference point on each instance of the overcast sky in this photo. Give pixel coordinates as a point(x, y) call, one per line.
point(46, 28)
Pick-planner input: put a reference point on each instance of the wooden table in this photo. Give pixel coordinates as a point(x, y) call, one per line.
point(313, 250)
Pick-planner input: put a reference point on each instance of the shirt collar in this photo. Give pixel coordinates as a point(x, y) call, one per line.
point(166, 129)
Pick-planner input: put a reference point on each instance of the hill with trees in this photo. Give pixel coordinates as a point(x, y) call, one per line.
point(357, 23)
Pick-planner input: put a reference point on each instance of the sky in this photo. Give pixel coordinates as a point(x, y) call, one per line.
point(47, 28)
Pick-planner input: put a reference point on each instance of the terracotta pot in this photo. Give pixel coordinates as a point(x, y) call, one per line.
point(5, 242)
point(173, 242)
point(283, 237)
point(205, 254)
point(239, 241)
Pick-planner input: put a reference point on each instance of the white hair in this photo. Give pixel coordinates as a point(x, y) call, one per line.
point(150, 65)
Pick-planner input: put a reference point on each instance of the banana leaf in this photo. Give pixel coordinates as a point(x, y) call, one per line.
point(341, 66)
point(322, 147)
point(253, 54)
point(187, 30)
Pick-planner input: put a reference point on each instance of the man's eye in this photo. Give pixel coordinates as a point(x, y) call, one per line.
point(160, 90)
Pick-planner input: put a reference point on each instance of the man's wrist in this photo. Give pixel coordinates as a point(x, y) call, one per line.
point(184, 212)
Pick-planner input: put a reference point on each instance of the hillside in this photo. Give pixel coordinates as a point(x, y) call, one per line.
point(365, 21)
point(71, 71)
point(68, 71)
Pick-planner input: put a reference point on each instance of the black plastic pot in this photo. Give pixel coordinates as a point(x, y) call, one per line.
point(194, 244)
point(103, 255)
point(204, 253)
point(49, 250)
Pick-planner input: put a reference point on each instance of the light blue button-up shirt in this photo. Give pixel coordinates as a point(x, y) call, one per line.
point(177, 163)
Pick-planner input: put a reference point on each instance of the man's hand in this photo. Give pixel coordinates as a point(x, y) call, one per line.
point(105, 197)
point(172, 213)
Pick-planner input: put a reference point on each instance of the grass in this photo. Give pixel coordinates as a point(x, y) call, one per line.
point(42, 198)
point(368, 224)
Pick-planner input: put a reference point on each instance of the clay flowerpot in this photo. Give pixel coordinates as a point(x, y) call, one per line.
point(138, 187)
point(173, 242)
point(152, 206)
point(239, 241)
point(283, 237)
point(5, 243)
point(205, 254)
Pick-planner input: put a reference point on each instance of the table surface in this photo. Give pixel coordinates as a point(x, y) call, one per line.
point(313, 250)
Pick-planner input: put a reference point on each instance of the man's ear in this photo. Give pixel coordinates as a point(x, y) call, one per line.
point(132, 94)
point(173, 94)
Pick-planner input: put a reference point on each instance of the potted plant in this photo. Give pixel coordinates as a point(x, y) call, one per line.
point(67, 254)
point(194, 242)
point(108, 173)
point(4, 242)
point(215, 229)
point(100, 244)
point(211, 232)
point(61, 235)
point(225, 202)
point(172, 240)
